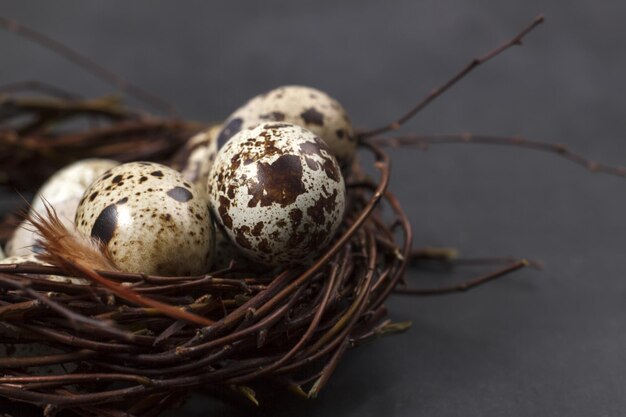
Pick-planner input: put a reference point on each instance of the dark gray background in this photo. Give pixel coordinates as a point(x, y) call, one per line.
point(548, 343)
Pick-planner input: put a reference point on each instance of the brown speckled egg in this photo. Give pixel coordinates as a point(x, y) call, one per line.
point(63, 192)
point(196, 158)
point(150, 219)
point(303, 106)
point(278, 193)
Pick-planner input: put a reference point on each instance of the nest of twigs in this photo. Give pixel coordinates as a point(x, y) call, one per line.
point(96, 354)
point(82, 349)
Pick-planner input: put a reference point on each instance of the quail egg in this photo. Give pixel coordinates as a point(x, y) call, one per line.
point(195, 159)
point(304, 106)
point(150, 219)
point(62, 191)
point(278, 193)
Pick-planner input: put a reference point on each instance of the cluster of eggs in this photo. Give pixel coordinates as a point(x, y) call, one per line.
point(274, 194)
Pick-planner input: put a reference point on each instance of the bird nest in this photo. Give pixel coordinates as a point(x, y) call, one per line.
point(90, 350)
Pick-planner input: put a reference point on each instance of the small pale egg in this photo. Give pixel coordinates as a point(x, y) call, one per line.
point(63, 192)
point(303, 106)
point(278, 193)
point(196, 158)
point(150, 219)
point(31, 258)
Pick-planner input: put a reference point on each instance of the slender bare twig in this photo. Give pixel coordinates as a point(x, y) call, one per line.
point(464, 286)
point(424, 141)
point(81, 60)
point(395, 125)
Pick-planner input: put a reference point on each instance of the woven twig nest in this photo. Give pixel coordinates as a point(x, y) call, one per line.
point(91, 352)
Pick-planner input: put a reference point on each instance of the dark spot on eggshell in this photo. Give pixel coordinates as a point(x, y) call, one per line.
point(123, 200)
point(322, 205)
point(107, 175)
point(143, 179)
point(312, 117)
point(241, 238)
point(230, 129)
point(279, 182)
point(340, 133)
point(93, 196)
point(157, 174)
point(106, 223)
point(180, 194)
point(329, 166)
point(231, 191)
point(311, 163)
point(117, 179)
point(256, 230)
point(264, 246)
point(296, 217)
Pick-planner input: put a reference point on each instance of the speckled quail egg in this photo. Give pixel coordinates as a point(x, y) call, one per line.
point(303, 106)
point(278, 193)
point(150, 219)
point(62, 191)
point(196, 158)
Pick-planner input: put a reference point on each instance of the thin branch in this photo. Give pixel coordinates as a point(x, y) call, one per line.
point(82, 61)
point(424, 141)
point(464, 286)
point(395, 125)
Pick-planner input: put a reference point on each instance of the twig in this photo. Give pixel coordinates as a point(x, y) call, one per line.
point(82, 61)
point(464, 286)
point(395, 125)
point(424, 141)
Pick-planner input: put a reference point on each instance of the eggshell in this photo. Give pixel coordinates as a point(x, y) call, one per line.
point(150, 219)
point(62, 191)
point(304, 106)
point(278, 193)
point(196, 158)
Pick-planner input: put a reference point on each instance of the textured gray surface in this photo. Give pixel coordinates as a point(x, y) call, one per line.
point(549, 343)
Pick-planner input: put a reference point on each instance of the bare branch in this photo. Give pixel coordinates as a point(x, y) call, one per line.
point(82, 61)
point(395, 125)
point(424, 141)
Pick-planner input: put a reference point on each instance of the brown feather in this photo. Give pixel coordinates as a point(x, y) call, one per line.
point(67, 247)
point(83, 256)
